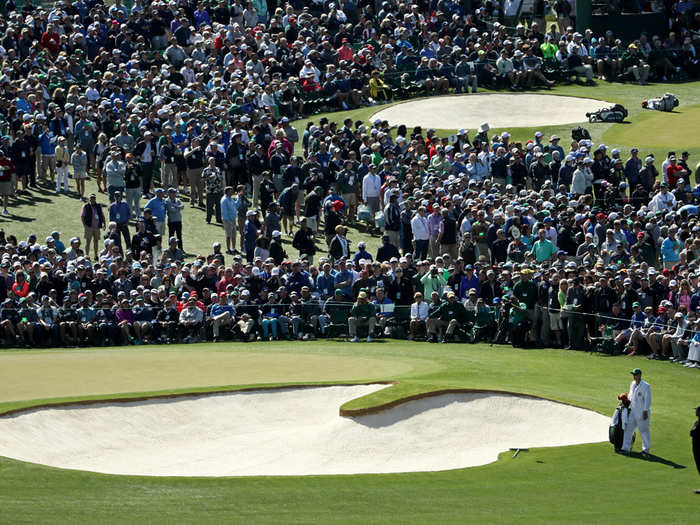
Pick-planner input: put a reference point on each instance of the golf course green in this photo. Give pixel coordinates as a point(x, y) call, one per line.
point(577, 484)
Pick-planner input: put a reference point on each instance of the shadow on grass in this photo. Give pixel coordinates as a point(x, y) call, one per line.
point(656, 459)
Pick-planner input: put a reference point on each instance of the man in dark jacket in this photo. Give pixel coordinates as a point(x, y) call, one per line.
point(93, 219)
point(304, 240)
point(392, 219)
point(387, 250)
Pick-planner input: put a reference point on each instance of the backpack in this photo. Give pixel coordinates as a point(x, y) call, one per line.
point(616, 113)
point(580, 133)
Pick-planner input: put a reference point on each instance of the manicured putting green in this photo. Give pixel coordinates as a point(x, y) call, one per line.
point(659, 129)
point(563, 485)
point(60, 374)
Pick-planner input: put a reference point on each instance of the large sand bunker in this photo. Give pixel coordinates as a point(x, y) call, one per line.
point(499, 110)
point(291, 432)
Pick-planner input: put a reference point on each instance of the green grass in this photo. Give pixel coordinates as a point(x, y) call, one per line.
point(650, 130)
point(580, 484)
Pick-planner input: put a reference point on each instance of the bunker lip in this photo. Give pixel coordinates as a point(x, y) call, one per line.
point(293, 431)
point(497, 109)
point(117, 399)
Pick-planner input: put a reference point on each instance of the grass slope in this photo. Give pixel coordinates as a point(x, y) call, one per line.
point(652, 131)
point(581, 484)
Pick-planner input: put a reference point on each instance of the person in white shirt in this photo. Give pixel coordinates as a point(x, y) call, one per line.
point(371, 187)
point(640, 413)
point(421, 234)
point(664, 200)
point(419, 313)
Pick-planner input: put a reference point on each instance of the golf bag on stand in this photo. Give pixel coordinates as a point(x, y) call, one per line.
point(579, 133)
point(616, 113)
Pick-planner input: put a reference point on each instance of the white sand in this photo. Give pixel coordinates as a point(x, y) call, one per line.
point(290, 432)
point(499, 110)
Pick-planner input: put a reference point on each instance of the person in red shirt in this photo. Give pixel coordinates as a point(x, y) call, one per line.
point(20, 287)
point(50, 39)
point(674, 171)
point(345, 51)
point(7, 169)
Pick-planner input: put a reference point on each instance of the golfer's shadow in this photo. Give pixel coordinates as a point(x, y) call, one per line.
point(657, 459)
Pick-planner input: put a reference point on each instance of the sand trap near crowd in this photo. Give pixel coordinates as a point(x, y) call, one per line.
point(291, 432)
point(499, 110)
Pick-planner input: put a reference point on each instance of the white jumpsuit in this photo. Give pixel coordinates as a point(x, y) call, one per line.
point(640, 401)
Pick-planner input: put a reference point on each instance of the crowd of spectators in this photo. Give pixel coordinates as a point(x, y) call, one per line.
point(483, 238)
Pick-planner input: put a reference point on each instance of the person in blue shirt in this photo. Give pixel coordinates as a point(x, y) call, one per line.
point(383, 313)
point(343, 279)
point(298, 279)
point(158, 209)
point(250, 234)
point(325, 281)
point(221, 314)
point(119, 213)
point(361, 253)
point(47, 143)
point(469, 280)
point(58, 245)
point(633, 334)
point(229, 216)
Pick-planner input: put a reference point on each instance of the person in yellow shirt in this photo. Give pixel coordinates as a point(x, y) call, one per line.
point(378, 90)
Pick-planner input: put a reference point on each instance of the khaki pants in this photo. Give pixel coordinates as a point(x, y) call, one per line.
point(246, 326)
point(168, 176)
point(354, 323)
point(433, 248)
point(393, 237)
point(435, 325)
point(450, 249)
point(196, 185)
point(48, 162)
point(220, 320)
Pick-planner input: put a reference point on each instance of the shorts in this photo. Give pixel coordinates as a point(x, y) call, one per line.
point(6, 188)
point(230, 228)
point(91, 233)
point(300, 197)
point(350, 199)
point(555, 322)
point(312, 223)
point(80, 175)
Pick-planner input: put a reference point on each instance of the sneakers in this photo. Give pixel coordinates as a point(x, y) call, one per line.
point(369, 339)
point(355, 339)
point(5, 212)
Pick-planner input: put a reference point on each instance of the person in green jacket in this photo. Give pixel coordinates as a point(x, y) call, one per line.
point(519, 322)
point(451, 315)
point(362, 314)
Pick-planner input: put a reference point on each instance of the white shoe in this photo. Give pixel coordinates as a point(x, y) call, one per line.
point(355, 339)
point(369, 339)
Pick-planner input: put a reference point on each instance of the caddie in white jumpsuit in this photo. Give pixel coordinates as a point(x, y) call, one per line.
point(640, 414)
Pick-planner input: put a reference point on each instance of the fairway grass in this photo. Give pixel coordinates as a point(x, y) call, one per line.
point(659, 129)
point(579, 484)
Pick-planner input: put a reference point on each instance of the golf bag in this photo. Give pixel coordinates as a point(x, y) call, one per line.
point(615, 432)
point(665, 103)
point(580, 133)
point(616, 113)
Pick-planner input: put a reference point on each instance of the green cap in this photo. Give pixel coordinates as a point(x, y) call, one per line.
point(636, 305)
point(636, 371)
